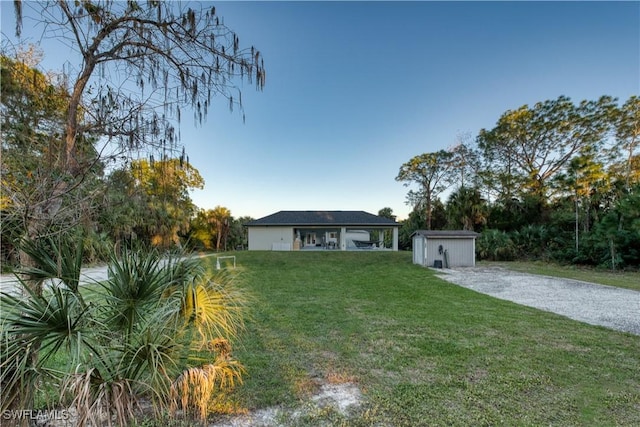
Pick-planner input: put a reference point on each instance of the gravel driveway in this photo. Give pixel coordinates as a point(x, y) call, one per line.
point(607, 306)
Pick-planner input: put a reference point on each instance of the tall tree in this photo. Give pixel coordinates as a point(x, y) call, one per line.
point(220, 218)
point(140, 64)
point(627, 132)
point(466, 209)
point(534, 144)
point(387, 213)
point(238, 234)
point(587, 180)
point(166, 184)
point(200, 233)
point(33, 108)
point(181, 56)
point(124, 207)
point(466, 161)
point(433, 174)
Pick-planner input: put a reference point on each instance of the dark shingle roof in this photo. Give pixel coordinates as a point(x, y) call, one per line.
point(446, 233)
point(319, 218)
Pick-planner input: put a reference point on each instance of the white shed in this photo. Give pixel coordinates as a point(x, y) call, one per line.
point(444, 248)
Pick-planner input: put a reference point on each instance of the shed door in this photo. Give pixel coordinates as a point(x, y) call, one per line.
point(418, 250)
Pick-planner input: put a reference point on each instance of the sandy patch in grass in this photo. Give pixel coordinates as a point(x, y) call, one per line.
point(340, 397)
point(343, 397)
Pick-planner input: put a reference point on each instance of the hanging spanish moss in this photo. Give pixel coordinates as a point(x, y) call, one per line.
point(174, 56)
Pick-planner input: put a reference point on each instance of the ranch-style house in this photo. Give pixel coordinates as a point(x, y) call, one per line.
point(323, 230)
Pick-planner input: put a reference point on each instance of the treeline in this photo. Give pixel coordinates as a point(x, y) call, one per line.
point(113, 202)
point(144, 203)
point(557, 180)
point(553, 181)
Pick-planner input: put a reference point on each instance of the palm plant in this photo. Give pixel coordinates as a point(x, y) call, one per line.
point(55, 257)
point(134, 336)
point(495, 245)
point(466, 208)
point(531, 241)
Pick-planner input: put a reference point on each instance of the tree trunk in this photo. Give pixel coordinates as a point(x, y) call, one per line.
point(612, 250)
point(218, 238)
point(577, 225)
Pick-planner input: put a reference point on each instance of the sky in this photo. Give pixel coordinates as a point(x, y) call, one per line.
point(356, 89)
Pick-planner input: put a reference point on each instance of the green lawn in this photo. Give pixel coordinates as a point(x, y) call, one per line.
point(423, 351)
point(627, 279)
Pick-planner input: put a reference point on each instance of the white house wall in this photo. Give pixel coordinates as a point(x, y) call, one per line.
point(270, 238)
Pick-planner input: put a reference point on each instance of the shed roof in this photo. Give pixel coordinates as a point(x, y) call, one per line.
point(447, 234)
point(322, 218)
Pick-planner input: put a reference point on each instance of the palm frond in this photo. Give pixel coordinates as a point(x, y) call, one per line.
point(49, 321)
point(214, 306)
point(136, 280)
point(18, 376)
point(55, 259)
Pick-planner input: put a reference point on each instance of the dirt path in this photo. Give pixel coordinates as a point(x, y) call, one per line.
point(607, 306)
point(8, 282)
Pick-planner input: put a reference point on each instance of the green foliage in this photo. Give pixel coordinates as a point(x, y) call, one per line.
point(627, 131)
point(432, 173)
point(495, 245)
point(33, 185)
point(150, 202)
point(216, 229)
point(386, 213)
point(238, 234)
point(415, 222)
point(57, 256)
point(550, 175)
point(535, 144)
point(466, 210)
point(165, 185)
point(531, 242)
point(52, 161)
point(127, 338)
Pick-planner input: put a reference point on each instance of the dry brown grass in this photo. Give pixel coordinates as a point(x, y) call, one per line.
point(197, 388)
point(97, 401)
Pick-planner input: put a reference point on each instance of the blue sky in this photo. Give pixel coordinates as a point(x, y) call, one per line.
point(355, 89)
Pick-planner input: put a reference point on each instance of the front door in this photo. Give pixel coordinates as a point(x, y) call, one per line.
point(311, 239)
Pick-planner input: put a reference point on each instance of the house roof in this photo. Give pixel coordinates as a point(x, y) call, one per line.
point(447, 234)
point(322, 218)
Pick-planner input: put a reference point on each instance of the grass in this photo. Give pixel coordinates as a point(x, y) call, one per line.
point(423, 351)
point(620, 279)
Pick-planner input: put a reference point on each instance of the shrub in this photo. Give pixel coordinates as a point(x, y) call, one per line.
point(131, 337)
point(495, 245)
